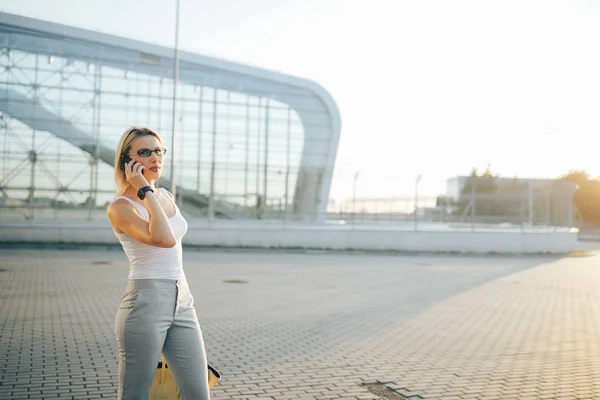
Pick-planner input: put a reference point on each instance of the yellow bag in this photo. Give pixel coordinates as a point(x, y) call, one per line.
point(164, 387)
point(213, 377)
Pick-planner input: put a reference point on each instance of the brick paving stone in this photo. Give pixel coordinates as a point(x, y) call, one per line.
point(316, 325)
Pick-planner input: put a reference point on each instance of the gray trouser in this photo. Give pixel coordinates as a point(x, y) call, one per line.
point(158, 315)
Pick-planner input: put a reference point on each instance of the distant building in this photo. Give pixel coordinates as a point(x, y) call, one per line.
point(535, 201)
point(454, 186)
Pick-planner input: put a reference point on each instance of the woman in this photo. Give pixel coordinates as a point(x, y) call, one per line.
point(157, 312)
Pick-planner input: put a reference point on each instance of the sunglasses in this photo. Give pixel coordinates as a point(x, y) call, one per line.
point(148, 152)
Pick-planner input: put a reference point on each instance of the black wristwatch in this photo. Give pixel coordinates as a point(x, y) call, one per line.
point(142, 192)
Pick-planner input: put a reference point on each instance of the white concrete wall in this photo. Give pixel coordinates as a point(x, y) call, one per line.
point(268, 235)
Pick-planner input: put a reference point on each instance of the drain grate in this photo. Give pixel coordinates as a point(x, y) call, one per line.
point(388, 391)
point(240, 281)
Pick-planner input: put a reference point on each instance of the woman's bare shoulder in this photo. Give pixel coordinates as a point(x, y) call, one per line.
point(165, 191)
point(119, 206)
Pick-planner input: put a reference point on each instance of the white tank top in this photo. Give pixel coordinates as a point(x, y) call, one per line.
point(151, 262)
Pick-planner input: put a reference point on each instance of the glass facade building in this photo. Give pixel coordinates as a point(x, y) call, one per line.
point(250, 143)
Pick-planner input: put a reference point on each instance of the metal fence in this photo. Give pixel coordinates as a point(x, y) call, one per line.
point(513, 203)
point(386, 202)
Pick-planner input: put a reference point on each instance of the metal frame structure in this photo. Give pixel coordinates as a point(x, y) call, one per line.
point(58, 84)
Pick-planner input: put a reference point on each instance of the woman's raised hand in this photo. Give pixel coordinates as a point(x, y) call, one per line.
point(134, 173)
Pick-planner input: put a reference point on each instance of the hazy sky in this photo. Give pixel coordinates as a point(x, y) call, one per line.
point(424, 87)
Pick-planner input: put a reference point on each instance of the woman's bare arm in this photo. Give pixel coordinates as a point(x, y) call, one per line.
point(124, 217)
point(156, 232)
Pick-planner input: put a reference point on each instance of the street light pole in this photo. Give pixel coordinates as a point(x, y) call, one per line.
point(175, 79)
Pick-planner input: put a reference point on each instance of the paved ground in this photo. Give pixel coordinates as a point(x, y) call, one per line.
point(318, 325)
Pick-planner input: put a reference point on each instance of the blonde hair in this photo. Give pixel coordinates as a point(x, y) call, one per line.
point(123, 148)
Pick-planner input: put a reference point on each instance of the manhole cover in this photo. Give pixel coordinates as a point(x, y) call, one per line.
point(239, 281)
point(100, 262)
point(383, 391)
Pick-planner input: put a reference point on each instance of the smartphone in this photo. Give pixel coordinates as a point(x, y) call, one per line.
point(124, 161)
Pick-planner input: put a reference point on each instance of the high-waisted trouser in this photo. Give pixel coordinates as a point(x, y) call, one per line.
point(158, 315)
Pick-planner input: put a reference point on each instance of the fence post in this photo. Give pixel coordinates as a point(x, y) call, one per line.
point(530, 203)
point(473, 204)
point(548, 221)
point(417, 200)
point(356, 175)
